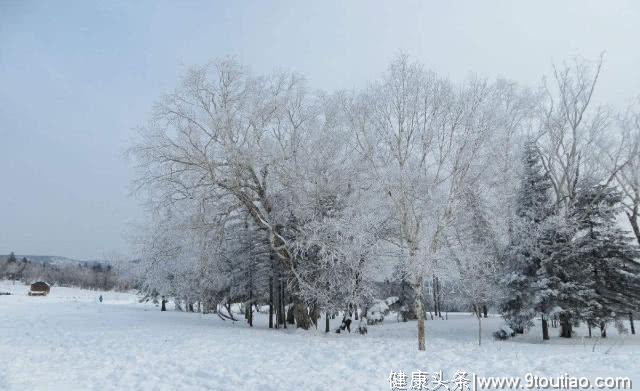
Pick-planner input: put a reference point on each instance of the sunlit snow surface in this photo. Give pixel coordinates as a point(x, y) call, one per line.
point(69, 341)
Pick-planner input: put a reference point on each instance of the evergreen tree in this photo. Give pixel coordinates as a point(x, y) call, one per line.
point(12, 258)
point(588, 271)
point(558, 290)
point(522, 259)
point(607, 255)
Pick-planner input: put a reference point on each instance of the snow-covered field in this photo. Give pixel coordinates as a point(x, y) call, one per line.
point(70, 341)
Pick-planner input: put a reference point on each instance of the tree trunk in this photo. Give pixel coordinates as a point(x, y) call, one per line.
point(545, 329)
point(565, 326)
point(355, 311)
point(227, 306)
point(283, 307)
point(315, 315)
point(633, 329)
point(439, 296)
point(436, 297)
point(603, 330)
point(589, 328)
point(277, 305)
point(291, 319)
point(300, 315)
point(485, 311)
point(420, 314)
point(633, 220)
point(270, 302)
point(479, 328)
point(326, 322)
point(163, 307)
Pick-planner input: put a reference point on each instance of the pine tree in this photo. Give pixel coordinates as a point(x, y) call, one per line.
point(522, 258)
point(607, 254)
point(588, 270)
point(558, 290)
point(12, 258)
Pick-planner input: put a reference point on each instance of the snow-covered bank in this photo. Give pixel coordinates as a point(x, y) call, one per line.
point(69, 341)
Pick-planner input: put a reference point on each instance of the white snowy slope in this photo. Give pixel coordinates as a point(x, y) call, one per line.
point(70, 341)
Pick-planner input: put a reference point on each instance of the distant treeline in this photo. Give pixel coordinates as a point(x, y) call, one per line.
point(86, 275)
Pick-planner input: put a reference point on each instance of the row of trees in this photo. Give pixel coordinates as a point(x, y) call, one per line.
point(87, 275)
point(573, 264)
point(262, 190)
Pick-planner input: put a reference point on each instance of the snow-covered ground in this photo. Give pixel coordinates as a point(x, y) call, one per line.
point(70, 341)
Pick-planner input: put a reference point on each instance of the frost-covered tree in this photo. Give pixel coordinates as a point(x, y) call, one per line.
point(626, 166)
point(588, 270)
point(556, 289)
point(607, 253)
point(423, 138)
point(338, 242)
point(329, 186)
point(473, 245)
point(233, 142)
point(229, 144)
point(571, 126)
point(522, 258)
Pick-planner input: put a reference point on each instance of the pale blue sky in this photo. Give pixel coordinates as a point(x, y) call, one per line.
point(77, 77)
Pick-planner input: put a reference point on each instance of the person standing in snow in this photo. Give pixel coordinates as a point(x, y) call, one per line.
point(100, 298)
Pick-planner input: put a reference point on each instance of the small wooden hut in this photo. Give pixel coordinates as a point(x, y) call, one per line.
point(39, 288)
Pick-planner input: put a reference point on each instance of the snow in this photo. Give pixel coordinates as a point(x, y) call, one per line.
point(380, 307)
point(376, 312)
point(391, 300)
point(70, 341)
